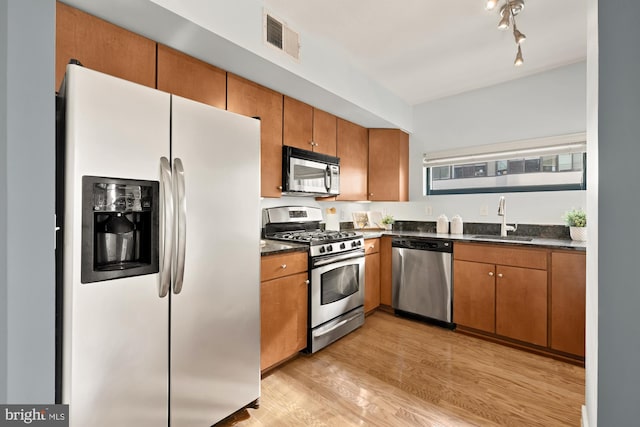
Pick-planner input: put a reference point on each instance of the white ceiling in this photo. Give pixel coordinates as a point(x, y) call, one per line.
point(421, 50)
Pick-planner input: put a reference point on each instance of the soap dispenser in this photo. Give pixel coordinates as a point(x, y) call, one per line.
point(442, 225)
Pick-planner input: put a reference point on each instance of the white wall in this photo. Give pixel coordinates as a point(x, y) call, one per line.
point(545, 104)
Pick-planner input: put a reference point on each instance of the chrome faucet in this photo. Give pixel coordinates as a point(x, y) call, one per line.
point(502, 211)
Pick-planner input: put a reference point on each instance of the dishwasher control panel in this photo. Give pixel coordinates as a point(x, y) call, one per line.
point(437, 245)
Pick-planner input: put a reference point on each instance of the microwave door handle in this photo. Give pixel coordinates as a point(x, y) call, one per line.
point(327, 178)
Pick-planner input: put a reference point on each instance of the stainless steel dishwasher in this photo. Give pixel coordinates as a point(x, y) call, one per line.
point(421, 273)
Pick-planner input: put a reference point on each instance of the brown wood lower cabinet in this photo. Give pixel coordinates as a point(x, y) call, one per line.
point(371, 274)
point(474, 295)
point(385, 270)
point(283, 307)
point(568, 294)
point(521, 304)
point(529, 297)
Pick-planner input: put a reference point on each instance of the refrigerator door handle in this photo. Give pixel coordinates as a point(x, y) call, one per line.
point(167, 220)
point(181, 224)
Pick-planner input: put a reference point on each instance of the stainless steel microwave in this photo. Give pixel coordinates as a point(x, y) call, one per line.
point(305, 173)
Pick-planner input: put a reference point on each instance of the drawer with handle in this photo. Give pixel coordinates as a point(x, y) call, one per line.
point(371, 246)
point(274, 266)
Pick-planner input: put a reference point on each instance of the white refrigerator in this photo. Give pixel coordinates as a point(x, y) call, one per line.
point(179, 345)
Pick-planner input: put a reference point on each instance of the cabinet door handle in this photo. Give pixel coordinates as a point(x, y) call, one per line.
point(491, 273)
point(279, 187)
point(306, 282)
point(499, 274)
point(283, 266)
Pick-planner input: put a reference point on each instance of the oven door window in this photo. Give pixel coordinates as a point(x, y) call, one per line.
point(339, 283)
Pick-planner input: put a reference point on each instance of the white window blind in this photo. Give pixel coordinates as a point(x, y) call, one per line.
point(570, 143)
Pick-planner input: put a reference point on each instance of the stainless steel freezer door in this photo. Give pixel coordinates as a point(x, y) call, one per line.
point(421, 282)
point(215, 318)
point(115, 335)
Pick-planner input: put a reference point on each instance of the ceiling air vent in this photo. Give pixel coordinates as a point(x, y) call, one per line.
point(278, 35)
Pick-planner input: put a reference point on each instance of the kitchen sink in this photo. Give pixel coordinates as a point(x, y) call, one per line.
point(494, 237)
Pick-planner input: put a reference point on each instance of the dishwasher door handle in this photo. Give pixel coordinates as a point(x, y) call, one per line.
point(397, 277)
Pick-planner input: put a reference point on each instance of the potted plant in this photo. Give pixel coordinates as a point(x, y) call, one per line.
point(576, 220)
point(387, 221)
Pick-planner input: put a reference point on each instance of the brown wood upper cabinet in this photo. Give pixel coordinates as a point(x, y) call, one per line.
point(191, 78)
point(309, 128)
point(102, 46)
point(388, 165)
point(298, 124)
point(252, 100)
point(353, 151)
point(324, 132)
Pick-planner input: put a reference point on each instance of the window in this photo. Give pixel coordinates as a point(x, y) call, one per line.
point(547, 164)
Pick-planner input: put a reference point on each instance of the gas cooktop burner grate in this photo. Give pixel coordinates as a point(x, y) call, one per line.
point(315, 236)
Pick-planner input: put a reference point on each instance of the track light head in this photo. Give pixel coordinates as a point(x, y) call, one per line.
point(504, 22)
point(518, 36)
point(519, 60)
point(491, 4)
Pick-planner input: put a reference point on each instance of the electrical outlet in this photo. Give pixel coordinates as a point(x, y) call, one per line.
point(343, 217)
point(484, 210)
point(429, 210)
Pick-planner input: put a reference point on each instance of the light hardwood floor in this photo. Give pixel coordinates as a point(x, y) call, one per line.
point(399, 372)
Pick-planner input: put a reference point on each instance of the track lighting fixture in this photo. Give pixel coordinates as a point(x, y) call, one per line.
point(508, 12)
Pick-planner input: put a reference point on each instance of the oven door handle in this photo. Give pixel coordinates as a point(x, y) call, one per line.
point(337, 325)
point(343, 257)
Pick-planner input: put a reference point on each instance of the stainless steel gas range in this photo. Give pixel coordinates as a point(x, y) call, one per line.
point(336, 271)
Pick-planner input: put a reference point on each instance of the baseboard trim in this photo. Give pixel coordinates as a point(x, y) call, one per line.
point(585, 417)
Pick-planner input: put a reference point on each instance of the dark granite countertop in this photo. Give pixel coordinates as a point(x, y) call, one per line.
point(545, 236)
point(536, 241)
point(272, 247)
point(552, 237)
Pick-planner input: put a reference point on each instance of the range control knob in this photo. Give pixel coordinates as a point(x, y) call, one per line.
point(359, 243)
point(329, 248)
point(321, 249)
point(354, 244)
point(342, 246)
